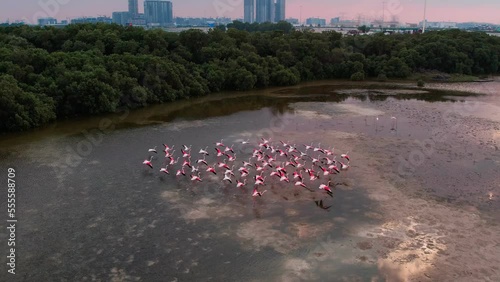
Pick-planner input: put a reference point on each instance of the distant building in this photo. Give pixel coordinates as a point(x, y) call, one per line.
point(92, 20)
point(264, 11)
point(121, 18)
point(158, 12)
point(292, 20)
point(279, 14)
point(47, 21)
point(249, 11)
point(133, 7)
point(439, 24)
point(316, 22)
point(138, 20)
point(335, 21)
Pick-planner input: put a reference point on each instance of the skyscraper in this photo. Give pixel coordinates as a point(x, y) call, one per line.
point(133, 7)
point(264, 11)
point(249, 11)
point(279, 11)
point(158, 12)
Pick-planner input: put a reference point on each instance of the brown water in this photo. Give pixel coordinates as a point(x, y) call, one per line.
point(420, 201)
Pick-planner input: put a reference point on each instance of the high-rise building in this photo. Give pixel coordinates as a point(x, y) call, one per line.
point(279, 11)
point(264, 11)
point(121, 18)
point(133, 7)
point(158, 12)
point(249, 11)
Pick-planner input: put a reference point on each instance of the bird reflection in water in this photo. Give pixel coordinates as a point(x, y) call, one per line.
point(321, 205)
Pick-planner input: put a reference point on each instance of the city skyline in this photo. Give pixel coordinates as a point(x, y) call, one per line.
point(402, 10)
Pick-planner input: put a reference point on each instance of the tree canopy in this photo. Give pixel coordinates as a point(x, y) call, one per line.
point(48, 73)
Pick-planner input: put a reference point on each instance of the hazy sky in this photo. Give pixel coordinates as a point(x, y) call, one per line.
point(404, 10)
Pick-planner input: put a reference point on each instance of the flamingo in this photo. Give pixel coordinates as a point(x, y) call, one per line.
point(344, 166)
point(394, 123)
point(204, 152)
point(292, 149)
point(203, 161)
point(275, 173)
point(194, 169)
point(219, 152)
point(297, 175)
point(243, 169)
point(220, 144)
point(316, 149)
point(345, 156)
point(164, 169)
point(265, 141)
point(312, 176)
point(185, 153)
point(300, 183)
point(153, 150)
point(230, 171)
point(180, 171)
point(227, 149)
point(334, 167)
point(326, 188)
point(168, 154)
point(196, 178)
point(325, 171)
point(241, 184)
point(228, 178)
point(257, 193)
point(211, 169)
point(223, 165)
point(148, 162)
point(258, 168)
point(167, 148)
point(284, 178)
point(307, 146)
point(244, 142)
point(246, 164)
point(187, 163)
point(260, 181)
point(172, 161)
point(231, 158)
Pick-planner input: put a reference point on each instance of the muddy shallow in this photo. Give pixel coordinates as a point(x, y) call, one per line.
point(420, 202)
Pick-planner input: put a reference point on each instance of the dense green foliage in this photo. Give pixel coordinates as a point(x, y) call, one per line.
point(48, 73)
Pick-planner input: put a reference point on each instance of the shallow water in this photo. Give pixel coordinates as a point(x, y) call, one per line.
point(418, 187)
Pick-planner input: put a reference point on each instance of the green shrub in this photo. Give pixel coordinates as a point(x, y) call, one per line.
point(358, 76)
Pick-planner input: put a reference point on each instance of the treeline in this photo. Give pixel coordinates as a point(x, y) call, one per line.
point(48, 73)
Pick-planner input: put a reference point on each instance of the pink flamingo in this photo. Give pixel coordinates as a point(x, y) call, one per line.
point(196, 178)
point(257, 193)
point(220, 144)
point(326, 187)
point(148, 162)
point(300, 183)
point(345, 156)
point(211, 169)
point(164, 169)
point(180, 171)
point(241, 184)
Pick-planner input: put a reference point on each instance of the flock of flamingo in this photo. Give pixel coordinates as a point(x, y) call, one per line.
point(281, 161)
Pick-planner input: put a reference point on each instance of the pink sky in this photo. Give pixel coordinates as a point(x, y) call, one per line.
point(405, 10)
